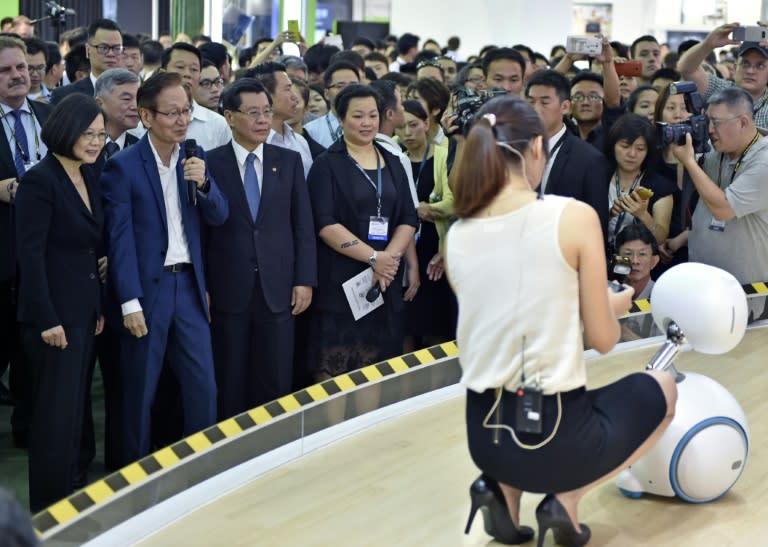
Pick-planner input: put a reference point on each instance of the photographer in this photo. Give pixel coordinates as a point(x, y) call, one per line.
point(730, 222)
point(751, 70)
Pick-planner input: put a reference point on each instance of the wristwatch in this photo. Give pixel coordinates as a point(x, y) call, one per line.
point(372, 259)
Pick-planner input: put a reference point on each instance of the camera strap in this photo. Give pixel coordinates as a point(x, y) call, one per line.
point(738, 162)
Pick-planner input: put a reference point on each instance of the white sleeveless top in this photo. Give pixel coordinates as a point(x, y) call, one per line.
point(512, 280)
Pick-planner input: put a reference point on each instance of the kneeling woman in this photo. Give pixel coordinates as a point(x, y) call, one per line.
point(527, 273)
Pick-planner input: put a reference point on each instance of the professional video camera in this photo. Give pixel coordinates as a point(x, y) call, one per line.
point(468, 102)
point(696, 125)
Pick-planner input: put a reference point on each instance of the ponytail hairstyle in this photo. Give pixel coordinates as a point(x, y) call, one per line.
point(501, 133)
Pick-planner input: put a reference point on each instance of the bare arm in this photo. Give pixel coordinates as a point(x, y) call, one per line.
point(581, 240)
point(689, 64)
point(610, 77)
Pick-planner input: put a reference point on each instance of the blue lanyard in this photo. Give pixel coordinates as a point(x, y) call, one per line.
point(376, 185)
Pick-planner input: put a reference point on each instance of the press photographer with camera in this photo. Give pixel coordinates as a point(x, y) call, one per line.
point(751, 69)
point(730, 222)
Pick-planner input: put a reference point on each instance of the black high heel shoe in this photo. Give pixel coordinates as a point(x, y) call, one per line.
point(551, 514)
point(486, 495)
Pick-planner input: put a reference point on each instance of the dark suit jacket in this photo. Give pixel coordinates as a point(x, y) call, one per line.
point(580, 171)
point(138, 227)
point(8, 170)
point(81, 86)
point(98, 165)
point(58, 248)
point(281, 242)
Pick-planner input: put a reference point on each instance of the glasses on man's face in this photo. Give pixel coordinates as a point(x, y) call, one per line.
point(639, 255)
point(257, 114)
point(175, 115)
point(208, 83)
point(715, 123)
point(746, 65)
point(579, 98)
point(103, 49)
point(92, 136)
point(476, 79)
point(40, 69)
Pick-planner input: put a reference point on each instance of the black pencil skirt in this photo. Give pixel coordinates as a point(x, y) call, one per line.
point(598, 431)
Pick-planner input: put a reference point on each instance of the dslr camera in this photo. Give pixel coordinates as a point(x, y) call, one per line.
point(468, 102)
point(696, 125)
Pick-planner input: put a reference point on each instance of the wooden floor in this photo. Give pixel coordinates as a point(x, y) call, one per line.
point(405, 482)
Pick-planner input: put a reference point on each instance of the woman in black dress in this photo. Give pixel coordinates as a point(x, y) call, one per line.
point(431, 314)
point(59, 225)
point(365, 218)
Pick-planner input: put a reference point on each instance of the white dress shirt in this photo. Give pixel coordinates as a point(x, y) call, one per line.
point(324, 129)
point(389, 144)
point(241, 154)
point(178, 247)
point(32, 128)
point(548, 168)
point(292, 141)
point(208, 128)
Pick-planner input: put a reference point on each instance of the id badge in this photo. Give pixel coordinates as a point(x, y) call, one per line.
point(717, 225)
point(377, 228)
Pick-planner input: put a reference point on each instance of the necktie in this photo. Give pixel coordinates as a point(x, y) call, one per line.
point(251, 181)
point(112, 148)
point(21, 143)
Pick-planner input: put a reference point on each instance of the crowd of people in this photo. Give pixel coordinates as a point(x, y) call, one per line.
point(185, 215)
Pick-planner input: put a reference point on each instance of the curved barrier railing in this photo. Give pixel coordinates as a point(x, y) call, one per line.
point(165, 473)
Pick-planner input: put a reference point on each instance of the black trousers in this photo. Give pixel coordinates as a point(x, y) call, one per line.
point(108, 355)
point(252, 355)
point(59, 379)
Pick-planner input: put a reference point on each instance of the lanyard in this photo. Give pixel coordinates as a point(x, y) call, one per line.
point(376, 185)
point(24, 155)
point(335, 133)
point(421, 167)
point(738, 162)
point(635, 183)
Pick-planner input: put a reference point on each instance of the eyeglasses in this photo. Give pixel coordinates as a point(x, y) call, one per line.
point(341, 85)
point(103, 49)
point(578, 98)
point(175, 114)
point(91, 136)
point(639, 254)
point(256, 114)
point(715, 123)
point(207, 83)
point(746, 65)
point(476, 79)
point(36, 68)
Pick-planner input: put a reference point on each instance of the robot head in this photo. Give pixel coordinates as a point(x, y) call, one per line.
point(707, 303)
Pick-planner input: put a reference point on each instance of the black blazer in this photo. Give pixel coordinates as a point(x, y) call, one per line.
point(58, 244)
point(8, 170)
point(580, 171)
point(281, 242)
point(333, 180)
point(81, 86)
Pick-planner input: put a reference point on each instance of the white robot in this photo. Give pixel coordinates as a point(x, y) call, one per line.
point(704, 451)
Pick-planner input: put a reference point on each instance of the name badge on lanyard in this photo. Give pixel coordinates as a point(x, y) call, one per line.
point(378, 226)
point(717, 225)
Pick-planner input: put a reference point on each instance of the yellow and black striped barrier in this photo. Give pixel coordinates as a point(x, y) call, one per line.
point(103, 490)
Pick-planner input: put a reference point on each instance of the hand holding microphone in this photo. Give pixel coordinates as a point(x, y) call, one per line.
point(194, 170)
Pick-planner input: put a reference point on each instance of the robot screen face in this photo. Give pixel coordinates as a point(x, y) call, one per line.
point(707, 303)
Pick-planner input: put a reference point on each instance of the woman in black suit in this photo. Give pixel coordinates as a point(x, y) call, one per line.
point(365, 218)
point(59, 224)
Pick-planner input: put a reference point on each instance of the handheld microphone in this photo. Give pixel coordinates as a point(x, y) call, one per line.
point(190, 147)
